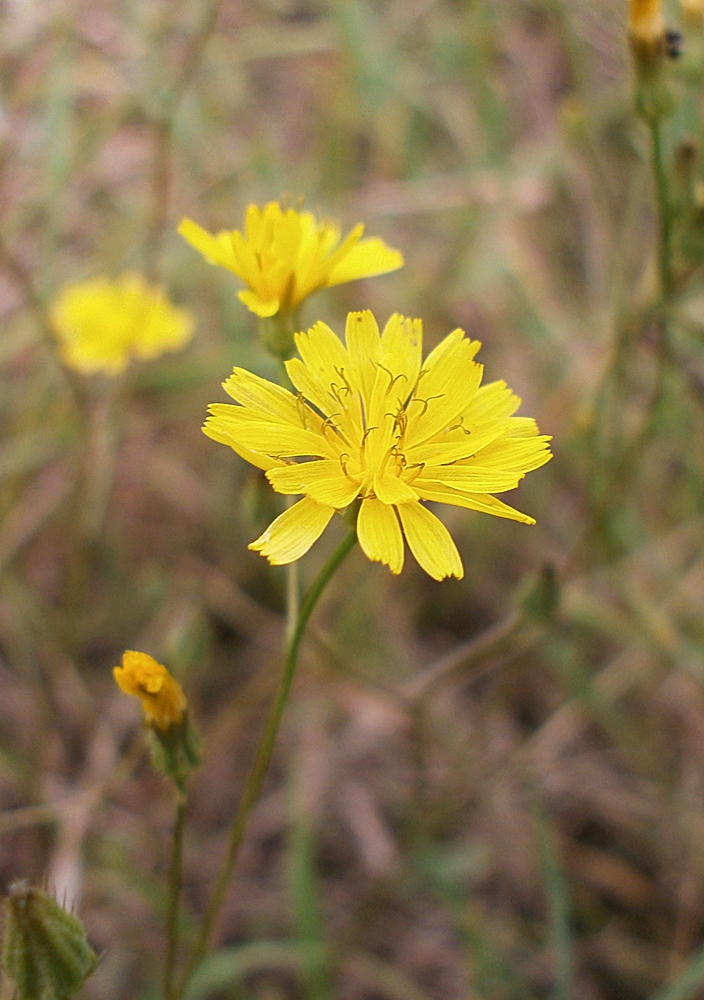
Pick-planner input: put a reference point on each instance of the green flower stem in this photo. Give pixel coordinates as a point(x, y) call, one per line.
point(614, 467)
point(262, 759)
point(293, 602)
point(664, 208)
point(667, 285)
point(175, 884)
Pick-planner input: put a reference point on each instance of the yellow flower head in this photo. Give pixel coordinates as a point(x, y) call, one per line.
point(284, 256)
point(162, 698)
point(373, 421)
point(693, 9)
point(102, 324)
point(646, 22)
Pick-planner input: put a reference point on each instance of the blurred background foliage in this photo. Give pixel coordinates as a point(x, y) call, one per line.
point(489, 788)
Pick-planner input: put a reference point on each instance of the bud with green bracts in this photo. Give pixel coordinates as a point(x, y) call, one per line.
point(45, 952)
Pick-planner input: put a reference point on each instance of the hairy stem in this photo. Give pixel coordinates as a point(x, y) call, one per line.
point(175, 883)
point(262, 759)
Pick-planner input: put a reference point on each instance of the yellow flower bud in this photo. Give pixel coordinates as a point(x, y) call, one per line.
point(45, 951)
point(163, 700)
point(693, 9)
point(646, 22)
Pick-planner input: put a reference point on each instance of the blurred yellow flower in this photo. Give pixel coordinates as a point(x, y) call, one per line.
point(162, 698)
point(693, 9)
point(284, 256)
point(646, 22)
point(102, 324)
point(372, 421)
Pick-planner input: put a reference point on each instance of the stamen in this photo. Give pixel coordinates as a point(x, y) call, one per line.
point(389, 373)
point(341, 373)
point(418, 399)
point(301, 406)
point(366, 435)
point(330, 423)
point(419, 466)
point(460, 427)
point(336, 391)
point(401, 421)
point(399, 456)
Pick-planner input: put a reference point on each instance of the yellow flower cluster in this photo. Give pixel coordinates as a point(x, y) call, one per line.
point(284, 256)
point(162, 698)
point(102, 324)
point(374, 422)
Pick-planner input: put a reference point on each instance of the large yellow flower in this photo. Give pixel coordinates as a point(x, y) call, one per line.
point(102, 324)
point(162, 698)
point(375, 422)
point(284, 256)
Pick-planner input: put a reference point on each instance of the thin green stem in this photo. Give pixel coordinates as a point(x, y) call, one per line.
point(262, 759)
point(175, 883)
point(667, 283)
point(616, 459)
point(664, 208)
point(293, 602)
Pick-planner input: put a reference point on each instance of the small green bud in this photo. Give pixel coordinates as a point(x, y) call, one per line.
point(45, 952)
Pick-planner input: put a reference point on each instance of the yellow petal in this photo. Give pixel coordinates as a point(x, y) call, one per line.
point(438, 452)
point(323, 353)
point(483, 502)
point(292, 533)
point(325, 363)
point(262, 433)
point(323, 481)
point(260, 394)
point(444, 390)
point(207, 244)
point(470, 478)
point(391, 489)
point(369, 257)
point(312, 388)
point(402, 346)
point(348, 244)
point(491, 403)
point(217, 431)
point(514, 455)
point(430, 542)
point(258, 305)
point(447, 344)
point(379, 534)
point(254, 221)
point(364, 348)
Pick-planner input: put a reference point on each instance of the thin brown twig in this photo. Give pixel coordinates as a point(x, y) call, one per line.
point(162, 125)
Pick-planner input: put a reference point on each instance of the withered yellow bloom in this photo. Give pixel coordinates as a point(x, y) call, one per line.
point(162, 698)
point(374, 422)
point(646, 22)
point(284, 256)
point(102, 324)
